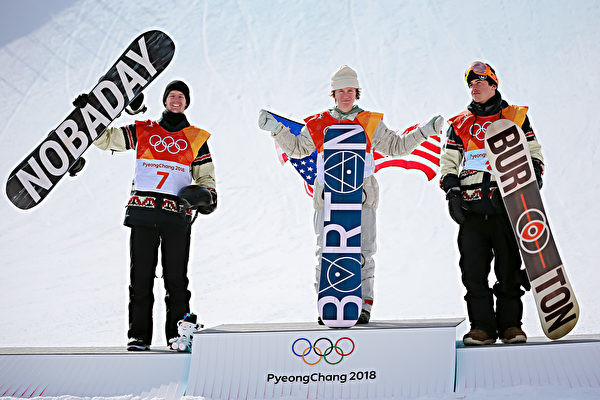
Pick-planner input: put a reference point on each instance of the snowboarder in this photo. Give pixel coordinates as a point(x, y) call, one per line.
point(474, 202)
point(171, 154)
point(345, 90)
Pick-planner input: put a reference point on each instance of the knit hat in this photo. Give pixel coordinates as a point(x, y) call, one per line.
point(180, 86)
point(343, 78)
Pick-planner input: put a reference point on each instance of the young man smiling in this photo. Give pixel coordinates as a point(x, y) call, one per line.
point(171, 154)
point(475, 204)
point(346, 90)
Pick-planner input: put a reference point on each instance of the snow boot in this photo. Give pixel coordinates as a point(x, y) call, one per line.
point(364, 318)
point(477, 337)
point(137, 345)
point(514, 334)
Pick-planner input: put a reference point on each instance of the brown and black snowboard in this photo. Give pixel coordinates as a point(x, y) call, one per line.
point(510, 161)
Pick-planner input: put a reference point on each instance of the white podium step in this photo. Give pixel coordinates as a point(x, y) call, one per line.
point(384, 359)
point(91, 372)
point(572, 362)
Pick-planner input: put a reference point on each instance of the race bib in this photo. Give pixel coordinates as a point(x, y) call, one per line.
point(161, 176)
point(476, 160)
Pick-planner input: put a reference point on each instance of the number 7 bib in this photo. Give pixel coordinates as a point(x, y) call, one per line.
point(164, 158)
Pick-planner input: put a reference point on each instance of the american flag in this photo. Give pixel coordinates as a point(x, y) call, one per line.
point(425, 158)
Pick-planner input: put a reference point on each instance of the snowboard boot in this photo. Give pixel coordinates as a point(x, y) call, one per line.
point(514, 334)
point(137, 345)
point(478, 337)
point(364, 318)
point(185, 328)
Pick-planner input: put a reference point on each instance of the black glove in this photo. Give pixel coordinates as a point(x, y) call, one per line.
point(198, 197)
point(77, 167)
point(456, 205)
point(496, 199)
point(81, 100)
point(212, 206)
point(524, 280)
point(449, 181)
point(137, 105)
point(538, 168)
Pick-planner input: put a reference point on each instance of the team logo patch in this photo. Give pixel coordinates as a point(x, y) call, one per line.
point(479, 130)
point(167, 143)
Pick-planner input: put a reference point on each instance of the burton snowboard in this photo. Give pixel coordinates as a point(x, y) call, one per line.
point(340, 294)
point(510, 160)
point(31, 181)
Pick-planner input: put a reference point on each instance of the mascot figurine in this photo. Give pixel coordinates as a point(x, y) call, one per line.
point(185, 328)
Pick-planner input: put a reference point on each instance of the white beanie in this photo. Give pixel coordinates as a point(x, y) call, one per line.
point(343, 78)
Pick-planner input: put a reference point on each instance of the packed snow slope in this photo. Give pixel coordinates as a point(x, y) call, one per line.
point(65, 263)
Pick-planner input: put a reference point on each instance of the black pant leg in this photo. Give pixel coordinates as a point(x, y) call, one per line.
point(144, 244)
point(475, 264)
point(175, 250)
point(507, 264)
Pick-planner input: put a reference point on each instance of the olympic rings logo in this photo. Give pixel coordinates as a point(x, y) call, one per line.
point(480, 130)
point(327, 355)
point(167, 143)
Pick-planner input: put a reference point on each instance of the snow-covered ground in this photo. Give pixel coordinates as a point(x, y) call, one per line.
point(65, 263)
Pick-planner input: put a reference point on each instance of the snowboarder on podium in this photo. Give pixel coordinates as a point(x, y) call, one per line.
point(475, 203)
point(345, 90)
point(174, 175)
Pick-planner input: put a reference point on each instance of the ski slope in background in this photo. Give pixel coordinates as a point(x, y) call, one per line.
point(65, 264)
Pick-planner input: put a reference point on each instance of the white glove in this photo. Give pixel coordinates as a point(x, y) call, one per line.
point(267, 122)
point(433, 127)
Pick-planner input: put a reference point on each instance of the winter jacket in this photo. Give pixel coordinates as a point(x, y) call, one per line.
point(463, 158)
point(382, 139)
point(161, 207)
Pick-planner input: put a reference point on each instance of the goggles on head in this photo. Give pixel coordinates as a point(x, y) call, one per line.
point(480, 70)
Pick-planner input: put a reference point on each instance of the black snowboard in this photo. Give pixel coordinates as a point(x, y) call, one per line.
point(145, 58)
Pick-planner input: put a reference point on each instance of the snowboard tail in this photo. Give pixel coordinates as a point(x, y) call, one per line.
point(340, 292)
point(510, 161)
point(33, 179)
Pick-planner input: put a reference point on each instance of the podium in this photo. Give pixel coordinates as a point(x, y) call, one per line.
point(384, 359)
point(572, 362)
point(92, 372)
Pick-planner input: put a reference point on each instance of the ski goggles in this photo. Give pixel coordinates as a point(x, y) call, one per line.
point(482, 70)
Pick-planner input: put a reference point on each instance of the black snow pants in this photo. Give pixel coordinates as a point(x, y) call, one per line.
point(175, 248)
point(481, 239)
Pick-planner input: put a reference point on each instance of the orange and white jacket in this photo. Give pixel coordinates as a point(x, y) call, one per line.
point(379, 137)
point(463, 159)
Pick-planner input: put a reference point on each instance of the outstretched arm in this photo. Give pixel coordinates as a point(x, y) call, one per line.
point(390, 143)
point(294, 146)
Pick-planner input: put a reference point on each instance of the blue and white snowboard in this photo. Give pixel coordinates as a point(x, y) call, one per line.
point(340, 295)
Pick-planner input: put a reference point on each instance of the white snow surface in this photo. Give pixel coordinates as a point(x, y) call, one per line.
point(65, 263)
